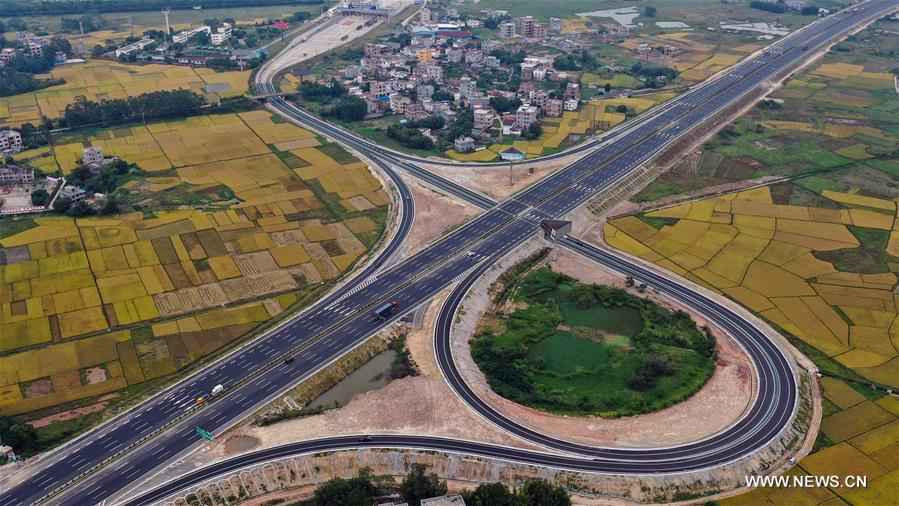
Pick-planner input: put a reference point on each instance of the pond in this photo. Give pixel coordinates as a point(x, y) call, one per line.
point(372, 375)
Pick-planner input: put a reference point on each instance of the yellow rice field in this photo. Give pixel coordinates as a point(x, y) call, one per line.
point(761, 254)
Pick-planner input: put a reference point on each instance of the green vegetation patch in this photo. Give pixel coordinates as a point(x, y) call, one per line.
point(870, 258)
point(580, 349)
point(12, 226)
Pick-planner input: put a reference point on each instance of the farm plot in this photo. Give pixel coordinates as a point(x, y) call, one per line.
point(97, 80)
point(159, 280)
point(859, 436)
point(839, 114)
point(821, 274)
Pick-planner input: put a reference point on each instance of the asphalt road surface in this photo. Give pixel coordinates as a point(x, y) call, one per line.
point(344, 319)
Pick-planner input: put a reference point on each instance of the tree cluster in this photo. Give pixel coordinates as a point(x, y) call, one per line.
point(90, 23)
point(13, 82)
point(502, 104)
point(19, 435)
point(775, 7)
point(535, 492)
point(650, 72)
point(348, 108)
point(323, 93)
point(363, 488)
point(409, 137)
point(146, 106)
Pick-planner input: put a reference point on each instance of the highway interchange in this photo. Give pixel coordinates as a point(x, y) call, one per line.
point(343, 319)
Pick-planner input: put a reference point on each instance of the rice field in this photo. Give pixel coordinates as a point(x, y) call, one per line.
point(100, 79)
point(168, 285)
point(773, 259)
point(859, 437)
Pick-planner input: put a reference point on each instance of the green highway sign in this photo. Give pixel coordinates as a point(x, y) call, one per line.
point(206, 435)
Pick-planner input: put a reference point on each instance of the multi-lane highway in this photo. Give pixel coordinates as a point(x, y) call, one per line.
point(342, 320)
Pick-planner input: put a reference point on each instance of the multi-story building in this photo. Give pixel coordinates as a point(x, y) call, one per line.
point(433, 72)
point(398, 103)
point(467, 87)
point(572, 91)
point(425, 16)
point(524, 26)
point(73, 193)
point(134, 46)
point(491, 62)
point(222, 34)
point(374, 49)
point(92, 156)
point(507, 30)
point(10, 141)
point(455, 55)
point(6, 54)
point(478, 100)
point(464, 144)
point(489, 46)
point(352, 71)
point(424, 90)
point(182, 37)
point(473, 56)
point(539, 99)
point(425, 55)
point(571, 104)
point(483, 120)
point(378, 88)
point(539, 31)
point(555, 24)
point(36, 47)
point(553, 108)
point(16, 174)
point(526, 116)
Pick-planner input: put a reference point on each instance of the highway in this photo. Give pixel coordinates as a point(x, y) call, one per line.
point(343, 319)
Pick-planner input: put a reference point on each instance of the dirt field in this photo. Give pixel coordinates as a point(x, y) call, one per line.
point(435, 214)
point(493, 181)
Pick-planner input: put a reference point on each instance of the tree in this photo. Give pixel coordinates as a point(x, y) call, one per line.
point(493, 494)
point(543, 493)
point(583, 297)
point(649, 11)
point(19, 435)
point(502, 104)
point(621, 109)
point(810, 10)
point(607, 87)
point(777, 8)
point(79, 209)
point(40, 197)
point(417, 485)
point(534, 131)
point(14, 82)
point(351, 108)
point(62, 204)
point(360, 489)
